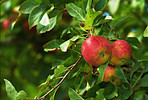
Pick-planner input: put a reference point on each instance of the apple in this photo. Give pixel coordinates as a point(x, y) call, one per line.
point(109, 75)
point(6, 24)
point(96, 50)
point(121, 52)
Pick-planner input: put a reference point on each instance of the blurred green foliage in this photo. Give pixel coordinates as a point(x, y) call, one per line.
point(26, 65)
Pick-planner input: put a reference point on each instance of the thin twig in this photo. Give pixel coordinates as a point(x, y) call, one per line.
point(43, 97)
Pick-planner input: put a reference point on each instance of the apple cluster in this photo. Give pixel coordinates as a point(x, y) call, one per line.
point(97, 50)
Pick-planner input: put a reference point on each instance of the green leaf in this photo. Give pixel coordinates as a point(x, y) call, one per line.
point(56, 62)
point(52, 45)
point(101, 71)
point(133, 41)
point(47, 80)
point(39, 1)
point(21, 95)
point(60, 70)
point(46, 2)
point(113, 6)
point(43, 28)
point(65, 31)
point(120, 74)
point(52, 95)
point(107, 19)
point(134, 68)
point(89, 19)
point(100, 95)
point(100, 5)
point(145, 69)
point(110, 91)
point(121, 20)
point(11, 92)
point(64, 46)
point(75, 11)
point(88, 5)
point(125, 91)
point(37, 14)
point(92, 91)
point(44, 87)
point(27, 6)
point(146, 32)
point(73, 95)
point(144, 81)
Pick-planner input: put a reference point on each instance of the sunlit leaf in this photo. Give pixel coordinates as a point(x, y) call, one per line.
point(52, 45)
point(49, 25)
point(21, 95)
point(89, 19)
point(11, 92)
point(89, 2)
point(100, 95)
point(28, 6)
point(75, 11)
point(60, 70)
point(146, 32)
point(113, 5)
point(101, 70)
point(37, 14)
point(64, 46)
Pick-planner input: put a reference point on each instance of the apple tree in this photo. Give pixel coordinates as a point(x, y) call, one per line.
point(99, 48)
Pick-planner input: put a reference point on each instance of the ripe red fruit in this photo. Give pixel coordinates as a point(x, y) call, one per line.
point(121, 52)
point(6, 24)
point(109, 75)
point(96, 50)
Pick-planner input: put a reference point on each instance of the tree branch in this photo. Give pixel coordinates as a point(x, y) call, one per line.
point(43, 97)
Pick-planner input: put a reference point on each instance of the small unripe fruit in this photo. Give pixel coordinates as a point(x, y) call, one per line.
point(96, 50)
point(121, 52)
point(109, 75)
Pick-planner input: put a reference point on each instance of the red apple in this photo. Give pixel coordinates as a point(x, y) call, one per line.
point(96, 50)
point(121, 52)
point(109, 75)
point(6, 24)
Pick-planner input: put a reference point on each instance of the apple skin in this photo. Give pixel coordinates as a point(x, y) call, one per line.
point(96, 50)
point(109, 75)
point(121, 52)
point(6, 24)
